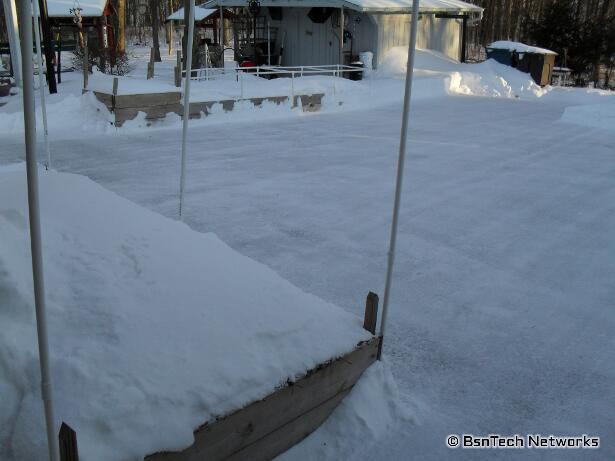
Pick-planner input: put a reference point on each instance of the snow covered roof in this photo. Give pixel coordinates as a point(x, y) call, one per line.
point(518, 47)
point(89, 8)
point(200, 13)
point(393, 6)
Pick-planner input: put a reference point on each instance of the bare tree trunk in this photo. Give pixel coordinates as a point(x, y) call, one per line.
point(170, 29)
point(121, 27)
point(154, 4)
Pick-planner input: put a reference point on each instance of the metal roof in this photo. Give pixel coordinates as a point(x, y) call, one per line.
point(200, 13)
point(373, 6)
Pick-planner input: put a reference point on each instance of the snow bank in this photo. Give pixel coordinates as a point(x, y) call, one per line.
point(154, 328)
point(128, 85)
point(493, 79)
point(371, 410)
point(438, 75)
point(394, 62)
point(68, 116)
point(601, 116)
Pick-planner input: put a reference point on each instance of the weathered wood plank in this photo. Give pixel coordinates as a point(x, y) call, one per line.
point(159, 105)
point(309, 102)
point(151, 113)
point(148, 99)
point(67, 439)
point(298, 429)
point(371, 312)
point(268, 427)
point(105, 98)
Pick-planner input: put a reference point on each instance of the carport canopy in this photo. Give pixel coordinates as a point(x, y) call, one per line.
point(367, 6)
point(200, 13)
point(62, 8)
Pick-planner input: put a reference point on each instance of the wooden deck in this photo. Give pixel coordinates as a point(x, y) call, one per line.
point(159, 105)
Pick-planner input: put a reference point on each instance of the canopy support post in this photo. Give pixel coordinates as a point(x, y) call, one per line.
point(222, 32)
point(400, 171)
point(10, 15)
point(464, 38)
point(186, 102)
point(341, 38)
point(41, 81)
point(47, 41)
point(27, 71)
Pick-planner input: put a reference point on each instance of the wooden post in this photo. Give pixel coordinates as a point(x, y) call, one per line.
point(114, 93)
point(150, 64)
point(222, 33)
point(59, 56)
point(68, 443)
point(48, 49)
point(86, 66)
point(371, 313)
point(178, 69)
point(464, 38)
point(154, 16)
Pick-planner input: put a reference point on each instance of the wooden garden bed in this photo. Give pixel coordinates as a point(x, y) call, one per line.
point(267, 428)
point(159, 105)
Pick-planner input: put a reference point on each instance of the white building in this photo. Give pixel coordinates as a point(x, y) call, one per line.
point(308, 30)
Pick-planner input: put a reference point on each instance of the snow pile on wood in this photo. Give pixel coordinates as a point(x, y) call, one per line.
point(154, 328)
point(518, 47)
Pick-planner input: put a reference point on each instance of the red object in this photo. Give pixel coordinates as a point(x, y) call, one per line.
point(247, 63)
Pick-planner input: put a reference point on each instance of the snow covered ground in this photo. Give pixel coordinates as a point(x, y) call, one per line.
point(503, 309)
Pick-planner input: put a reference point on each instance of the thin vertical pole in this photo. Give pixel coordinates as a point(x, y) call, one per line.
point(189, 42)
point(464, 38)
point(268, 43)
point(400, 171)
point(47, 40)
point(341, 37)
point(41, 81)
point(25, 20)
point(221, 30)
point(10, 16)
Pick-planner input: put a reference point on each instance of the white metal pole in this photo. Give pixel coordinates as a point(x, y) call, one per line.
point(268, 43)
point(400, 171)
point(189, 42)
point(341, 38)
point(41, 80)
point(10, 16)
point(25, 19)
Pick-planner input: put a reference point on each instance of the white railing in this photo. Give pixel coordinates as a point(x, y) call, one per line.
point(213, 73)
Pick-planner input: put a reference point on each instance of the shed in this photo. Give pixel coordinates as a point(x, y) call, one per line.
point(538, 62)
point(308, 31)
point(95, 15)
point(207, 19)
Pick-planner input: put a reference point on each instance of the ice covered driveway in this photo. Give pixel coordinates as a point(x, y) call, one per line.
point(502, 315)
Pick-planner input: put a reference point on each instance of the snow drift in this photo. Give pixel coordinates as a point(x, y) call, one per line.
point(437, 74)
point(154, 328)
